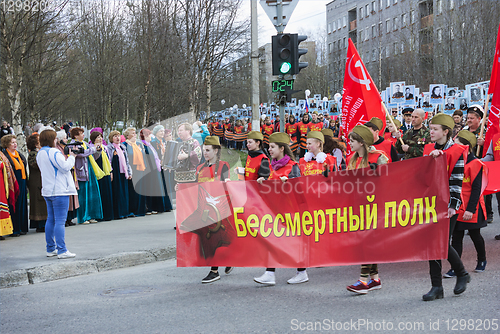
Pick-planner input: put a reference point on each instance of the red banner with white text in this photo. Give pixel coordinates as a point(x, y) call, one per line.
point(351, 217)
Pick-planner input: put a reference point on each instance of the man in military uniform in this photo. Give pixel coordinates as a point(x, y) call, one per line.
point(416, 138)
point(407, 123)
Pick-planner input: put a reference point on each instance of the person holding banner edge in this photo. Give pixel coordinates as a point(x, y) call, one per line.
point(283, 167)
point(441, 127)
point(257, 164)
point(315, 161)
point(361, 142)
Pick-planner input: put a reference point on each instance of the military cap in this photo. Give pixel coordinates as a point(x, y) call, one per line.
point(365, 133)
point(469, 136)
point(378, 123)
point(327, 132)
point(443, 119)
point(477, 109)
point(255, 135)
point(407, 110)
point(316, 135)
point(212, 140)
point(279, 137)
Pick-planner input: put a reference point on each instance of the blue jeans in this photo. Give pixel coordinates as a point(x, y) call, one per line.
point(57, 211)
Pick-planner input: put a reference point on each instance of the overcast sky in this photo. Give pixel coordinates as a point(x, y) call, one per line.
point(308, 16)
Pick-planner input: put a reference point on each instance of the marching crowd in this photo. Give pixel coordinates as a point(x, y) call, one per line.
point(125, 175)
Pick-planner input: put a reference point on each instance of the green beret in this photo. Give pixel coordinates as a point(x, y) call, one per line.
point(327, 132)
point(316, 135)
point(255, 135)
point(212, 140)
point(365, 133)
point(443, 119)
point(279, 137)
point(469, 136)
point(378, 123)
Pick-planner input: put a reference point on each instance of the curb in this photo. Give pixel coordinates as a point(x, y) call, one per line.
point(60, 270)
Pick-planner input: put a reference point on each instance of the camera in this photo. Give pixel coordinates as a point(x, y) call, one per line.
point(75, 150)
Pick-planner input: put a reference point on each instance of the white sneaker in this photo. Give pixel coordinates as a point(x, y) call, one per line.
point(93, 221)
point(66, 255)
point(268, 278)
point(52, 254)
point(86, 222)
point(300, 277)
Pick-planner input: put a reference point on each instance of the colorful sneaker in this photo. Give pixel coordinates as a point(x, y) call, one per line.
point(211, 277)
point(66, 255)
point(359, 287)
point(374, 284)
point(481, 266)
point(52, 254)
point(268, 278)
point(450, 274)
point(300, 277)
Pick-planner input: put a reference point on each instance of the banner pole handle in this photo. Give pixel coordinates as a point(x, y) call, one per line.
point(483, 121)
point(392, 122)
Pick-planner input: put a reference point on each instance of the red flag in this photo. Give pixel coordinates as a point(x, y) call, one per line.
point(494, 116)
point(360, 97)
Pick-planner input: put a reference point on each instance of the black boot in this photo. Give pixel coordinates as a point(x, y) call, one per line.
point(436, 292)
point(461, 284)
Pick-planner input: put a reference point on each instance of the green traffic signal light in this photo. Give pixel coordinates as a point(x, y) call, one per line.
point(285, 67)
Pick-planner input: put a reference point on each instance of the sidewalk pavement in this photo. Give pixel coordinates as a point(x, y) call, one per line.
point(98, 247)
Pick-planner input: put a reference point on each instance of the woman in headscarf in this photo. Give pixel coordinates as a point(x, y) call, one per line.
point(89, 195)
point(18, 211)
point(102, 169)
point(122, 173)
point(38, 207)
point(62, 140)
point(137, 202)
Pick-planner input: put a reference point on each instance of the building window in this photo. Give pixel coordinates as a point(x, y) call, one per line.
point(374, 6)
point(439, 6)
point(452, 35)
point(402, 47)
point(361, 35)
point(334, 45)
point(440, 35)
point(334, 26)
point(374, 52)
point(330, 47)
point(452, 4)
point(329, 28)
point(361, 12)
point(380, 4)
point(339, 24)
point(380, 28)
point(367, 9)
point(395, 23)
point(404, 20)
point(344, 21)
point(388, 26)
point(367, 34)
point(340, 45)
point(395, 48)
point(387, 52)
point(412, 16)
point(388, 3)
point(374, 33)
point(345, 42)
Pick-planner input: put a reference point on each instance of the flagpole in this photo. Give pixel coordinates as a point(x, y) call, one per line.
point(392, 122)
point(483, 121)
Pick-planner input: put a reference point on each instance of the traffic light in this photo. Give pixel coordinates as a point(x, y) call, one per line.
point(282, 54)
point(297, 52)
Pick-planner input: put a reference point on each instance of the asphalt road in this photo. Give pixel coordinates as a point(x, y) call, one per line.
point(161, 298)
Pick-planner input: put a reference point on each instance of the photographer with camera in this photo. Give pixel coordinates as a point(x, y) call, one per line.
point(62, 140)
point(89, 196)
point(57, 187)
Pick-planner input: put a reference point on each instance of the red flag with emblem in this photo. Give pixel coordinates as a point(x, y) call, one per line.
point(360, 97)
point(493, 120)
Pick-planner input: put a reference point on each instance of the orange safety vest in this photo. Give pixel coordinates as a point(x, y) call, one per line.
point(471, 171)
point(252, 166)
point(206, 174)
point(314, 168)
point(283, 171)
point(386, 147)
point(453, 153)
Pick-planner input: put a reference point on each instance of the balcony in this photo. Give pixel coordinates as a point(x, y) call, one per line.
point(352, 25)
point(427, 21)
point(427, 49)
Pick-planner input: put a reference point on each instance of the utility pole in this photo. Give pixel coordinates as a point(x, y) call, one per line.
point(255, 68)
point(280, 28)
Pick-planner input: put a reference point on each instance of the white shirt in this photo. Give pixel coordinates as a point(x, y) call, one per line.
point(56, 172)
